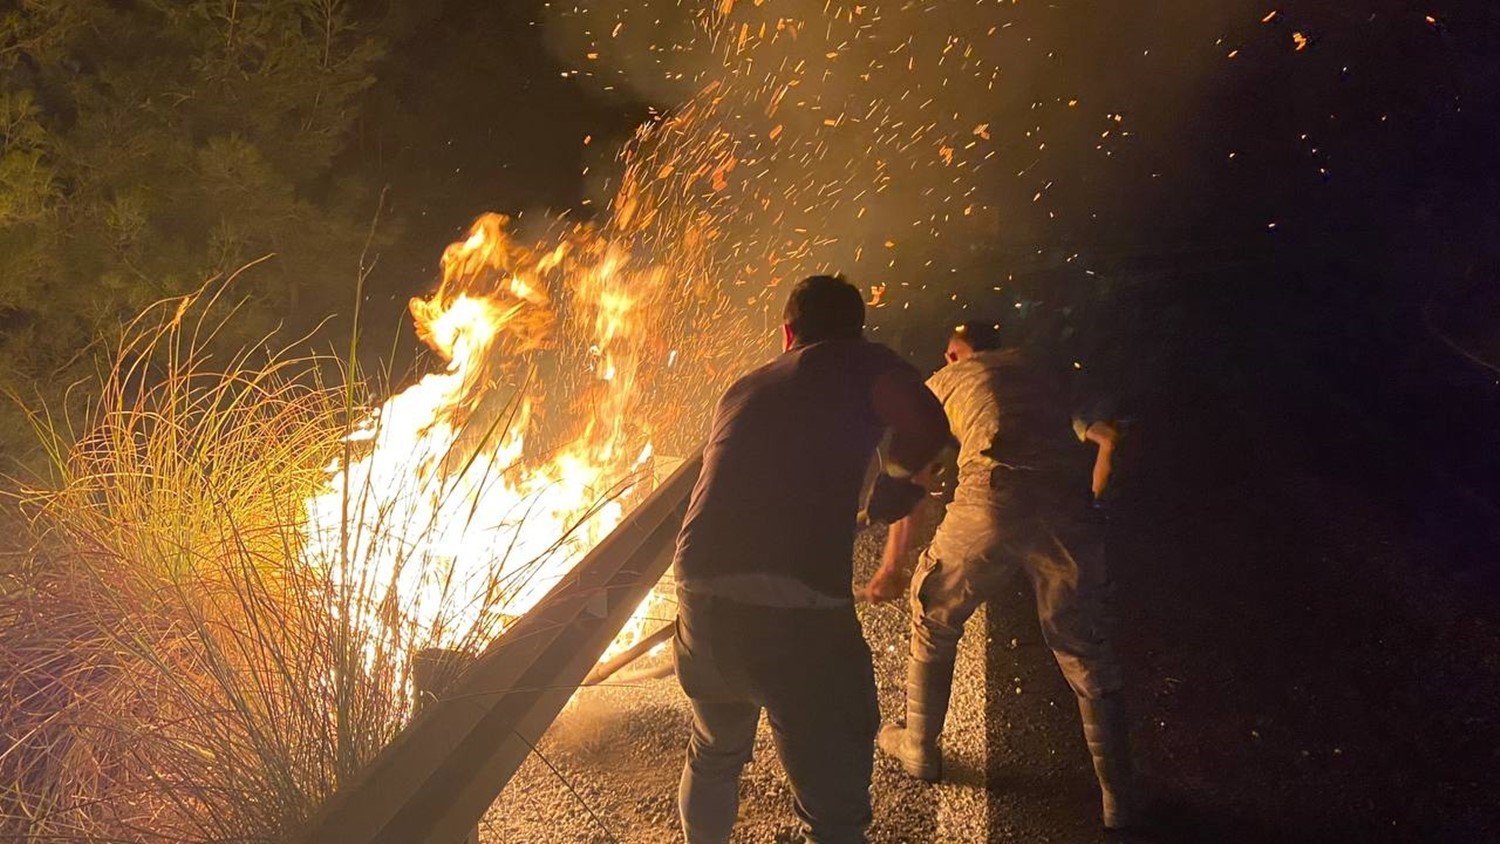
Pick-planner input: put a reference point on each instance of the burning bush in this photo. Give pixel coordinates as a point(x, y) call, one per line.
point(223, 588)
point(212, 623)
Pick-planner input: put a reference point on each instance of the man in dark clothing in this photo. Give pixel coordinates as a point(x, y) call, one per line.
point(764, 565)
point(1024, 502)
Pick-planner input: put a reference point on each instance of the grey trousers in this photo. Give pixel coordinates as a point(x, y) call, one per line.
point(810, 670)
point(981, 546)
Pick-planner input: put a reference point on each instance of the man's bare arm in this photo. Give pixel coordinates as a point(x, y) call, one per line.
point(919, 433)
point(1103, 434)
point(894, 575)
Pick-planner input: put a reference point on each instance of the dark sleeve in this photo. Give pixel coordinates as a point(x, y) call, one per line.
point(879, 360)
point(902, 402)
point(1090, 401)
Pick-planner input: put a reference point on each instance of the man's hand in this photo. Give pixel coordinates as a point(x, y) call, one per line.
point(889, 584)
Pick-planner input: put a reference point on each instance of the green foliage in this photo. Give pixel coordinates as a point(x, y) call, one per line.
point(148, 145)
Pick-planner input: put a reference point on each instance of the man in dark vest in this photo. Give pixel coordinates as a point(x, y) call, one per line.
point(764, 565)
point(1028, 488)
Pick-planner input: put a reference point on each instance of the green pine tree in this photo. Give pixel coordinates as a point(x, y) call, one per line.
point(149, 145)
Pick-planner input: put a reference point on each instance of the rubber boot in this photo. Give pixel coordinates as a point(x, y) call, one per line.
point(915, 743)
point(1108, 736)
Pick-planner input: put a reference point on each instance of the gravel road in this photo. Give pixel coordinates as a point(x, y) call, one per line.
point(615, 756)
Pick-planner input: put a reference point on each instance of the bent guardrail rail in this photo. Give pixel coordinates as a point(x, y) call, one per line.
point(437, 778)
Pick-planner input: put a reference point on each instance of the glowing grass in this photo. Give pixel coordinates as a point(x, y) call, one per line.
point(171, 669)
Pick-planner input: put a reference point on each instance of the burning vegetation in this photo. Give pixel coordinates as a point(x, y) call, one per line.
point(462, 499)
point(238, 561)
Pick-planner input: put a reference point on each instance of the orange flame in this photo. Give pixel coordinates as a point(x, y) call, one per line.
point(460, 502)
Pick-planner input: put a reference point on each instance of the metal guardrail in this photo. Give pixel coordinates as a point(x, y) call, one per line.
point(435, 781)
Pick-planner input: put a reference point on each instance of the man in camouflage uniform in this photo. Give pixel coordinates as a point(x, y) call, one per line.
point(1025, 500)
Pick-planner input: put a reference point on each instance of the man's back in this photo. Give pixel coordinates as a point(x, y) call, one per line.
point(1011, 421)
point(783, 468)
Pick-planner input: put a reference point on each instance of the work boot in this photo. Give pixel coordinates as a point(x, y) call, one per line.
point(915, 743)
point(1108, 736)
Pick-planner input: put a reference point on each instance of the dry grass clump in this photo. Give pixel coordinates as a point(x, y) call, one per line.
point(169, 670)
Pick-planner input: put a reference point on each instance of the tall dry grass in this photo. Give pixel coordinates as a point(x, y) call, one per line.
point(170, 670)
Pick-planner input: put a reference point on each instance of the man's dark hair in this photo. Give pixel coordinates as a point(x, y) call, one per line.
point(982, 335)
point(825, 307)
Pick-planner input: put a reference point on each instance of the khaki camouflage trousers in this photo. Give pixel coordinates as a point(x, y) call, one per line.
point(979, 548)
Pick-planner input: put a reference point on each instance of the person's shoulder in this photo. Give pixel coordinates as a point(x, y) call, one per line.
point(962, 369)
point(852, 353)
point(953, 376)
point(759, 375)
point(945, 373)
point(882, 358)
point(1007, 358)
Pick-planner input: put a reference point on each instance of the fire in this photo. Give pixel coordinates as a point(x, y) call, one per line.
point(464, 498)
